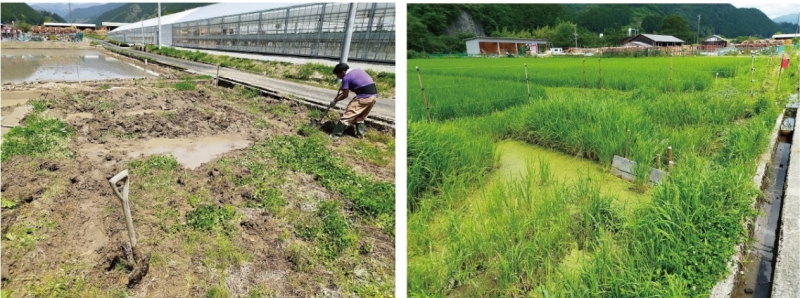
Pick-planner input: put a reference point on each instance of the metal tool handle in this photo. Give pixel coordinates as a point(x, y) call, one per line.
point(329, 107)
point(123, 198)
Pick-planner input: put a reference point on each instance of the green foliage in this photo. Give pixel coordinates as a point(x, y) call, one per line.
point(677, 26)
point(20, 13)
point(310, 155)
point(217, 292)
point(39, 106)
point(427, 23)
point(268, 198)
point(507, 237)
point(38, 136)
point(185, 86)
point(145, 167)
point(209, 217)
point(331, 231)
point(652, 24)
point(563, 36)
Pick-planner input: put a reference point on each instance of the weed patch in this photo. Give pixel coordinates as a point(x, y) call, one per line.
point(40, 136)
point(209, 217)
point(310, 155)
point(185, 86)
point(332, 231)
point(161, 163)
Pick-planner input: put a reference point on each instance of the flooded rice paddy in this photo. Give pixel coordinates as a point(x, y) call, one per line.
point(42, 65)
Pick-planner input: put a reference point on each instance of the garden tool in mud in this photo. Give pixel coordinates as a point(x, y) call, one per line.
point(123, 198)
point(318, 123)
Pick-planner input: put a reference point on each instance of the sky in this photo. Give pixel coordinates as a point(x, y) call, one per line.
point(772, 10)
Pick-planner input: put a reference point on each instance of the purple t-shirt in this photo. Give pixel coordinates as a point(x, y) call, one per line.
point(356, 78)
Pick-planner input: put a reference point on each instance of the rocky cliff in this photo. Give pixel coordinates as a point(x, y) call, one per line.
point(465, 23)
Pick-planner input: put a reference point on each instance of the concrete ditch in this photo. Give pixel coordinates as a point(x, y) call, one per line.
point(786, 278)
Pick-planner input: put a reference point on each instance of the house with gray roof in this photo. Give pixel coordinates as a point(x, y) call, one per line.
point(715, 40)
point(655, 40)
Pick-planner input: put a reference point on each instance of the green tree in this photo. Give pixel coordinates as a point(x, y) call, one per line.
point(563, 36)
point(677, 26)
point(651, 24)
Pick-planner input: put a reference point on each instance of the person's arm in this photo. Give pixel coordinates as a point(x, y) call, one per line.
point(342, 95)
point(345, 93)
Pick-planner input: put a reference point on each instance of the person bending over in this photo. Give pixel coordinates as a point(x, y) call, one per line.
point(358, 81)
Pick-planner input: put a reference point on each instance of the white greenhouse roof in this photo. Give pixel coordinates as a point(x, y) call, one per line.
point(165, 20)
point(228, 9)
point(68, 25)
point(209, 11)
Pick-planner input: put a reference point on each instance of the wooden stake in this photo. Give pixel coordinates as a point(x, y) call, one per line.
point(527, 82)
point(670, 72)
point(780, 71)
point(669, 158)
point(766, 72)
point(584, 75)
point(600, 72)
point(658, 161)
point(628, 144)
point(424, 97)
point(752, 73)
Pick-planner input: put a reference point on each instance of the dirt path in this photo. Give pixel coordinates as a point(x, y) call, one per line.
point(63, 231)
point(384, 109)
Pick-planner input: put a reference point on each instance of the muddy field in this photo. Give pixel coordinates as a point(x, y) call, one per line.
point(232, 194)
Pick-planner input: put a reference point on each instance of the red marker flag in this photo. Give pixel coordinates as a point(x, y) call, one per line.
point(785, 63)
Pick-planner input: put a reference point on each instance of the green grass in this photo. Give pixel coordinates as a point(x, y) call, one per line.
point(38, 136)
point(209, 217)
point(478, 228)
point(185, 86)
point(332, 231)
point(147, 166)
point(310, 155)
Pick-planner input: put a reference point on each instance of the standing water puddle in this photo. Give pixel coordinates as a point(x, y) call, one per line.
point(515, 157)
point(756, 280)
point(190, 153)
point(33, 65)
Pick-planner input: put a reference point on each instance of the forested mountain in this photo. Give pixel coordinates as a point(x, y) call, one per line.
point(23, 13)
point(62, 9)
point(134, 12)
point(89, 14)
point(430, 26)
point(789, 18)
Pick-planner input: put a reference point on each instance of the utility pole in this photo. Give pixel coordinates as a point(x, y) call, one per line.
point(576, 36)
point(159, 25)
point(698, 30)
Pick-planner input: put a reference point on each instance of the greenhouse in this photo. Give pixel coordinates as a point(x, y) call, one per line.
point(318, 30)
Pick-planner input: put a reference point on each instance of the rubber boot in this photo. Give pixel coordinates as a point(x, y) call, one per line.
point(361, 130)
point(338, 131)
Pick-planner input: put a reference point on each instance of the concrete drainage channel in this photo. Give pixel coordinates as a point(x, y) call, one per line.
point(786, 282)
point(770, 266)
point(756, 278)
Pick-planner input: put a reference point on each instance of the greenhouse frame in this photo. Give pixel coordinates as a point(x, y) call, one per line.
point(316, 30)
